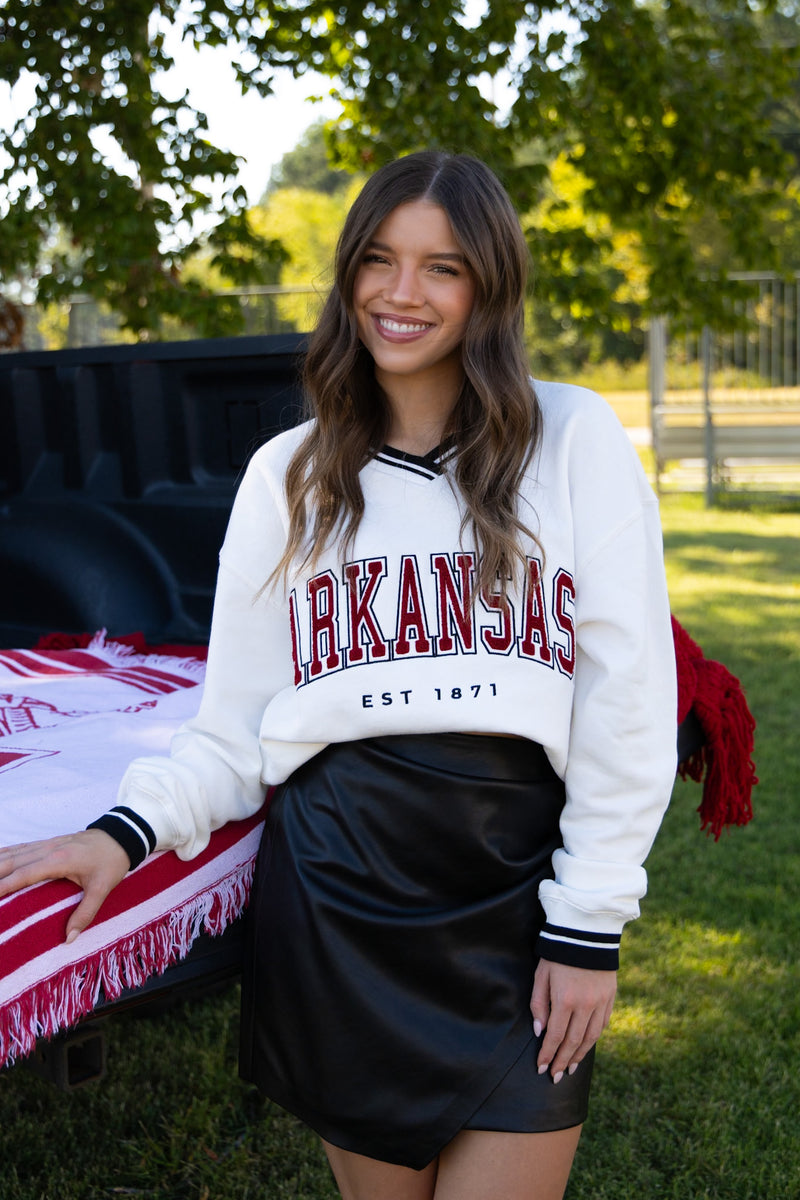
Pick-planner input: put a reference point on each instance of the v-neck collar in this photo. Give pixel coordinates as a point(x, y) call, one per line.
point(428, 466)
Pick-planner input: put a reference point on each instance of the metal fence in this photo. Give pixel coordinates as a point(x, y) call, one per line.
point(763, 349)
point(81, 321)
point(726, 402)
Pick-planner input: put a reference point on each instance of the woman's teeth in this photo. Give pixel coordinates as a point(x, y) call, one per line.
point(402, 326)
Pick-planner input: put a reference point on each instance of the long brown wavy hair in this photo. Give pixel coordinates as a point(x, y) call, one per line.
point(495, 425)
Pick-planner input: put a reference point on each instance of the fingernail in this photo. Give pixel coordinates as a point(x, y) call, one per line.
point(559, 1075)
point(73, 933)
point(543, 1068)
point(572, 1068)
point(537, 1028)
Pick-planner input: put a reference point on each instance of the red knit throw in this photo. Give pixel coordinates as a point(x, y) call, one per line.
point(727, 724)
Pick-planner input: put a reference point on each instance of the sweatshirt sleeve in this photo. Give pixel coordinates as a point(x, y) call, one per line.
point(213, 772)
point(622, 749)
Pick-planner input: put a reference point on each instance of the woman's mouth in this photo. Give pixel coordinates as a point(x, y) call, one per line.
point(400, 329)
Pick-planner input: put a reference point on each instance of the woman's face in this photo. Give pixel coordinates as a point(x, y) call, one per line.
point(413, 296)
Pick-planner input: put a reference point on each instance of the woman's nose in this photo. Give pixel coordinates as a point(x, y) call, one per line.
point(403, 287)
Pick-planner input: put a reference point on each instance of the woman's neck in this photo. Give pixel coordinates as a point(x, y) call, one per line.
point(419, 413)
point(417, 437)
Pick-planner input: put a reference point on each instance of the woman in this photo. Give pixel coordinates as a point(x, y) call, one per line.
point(441, 628)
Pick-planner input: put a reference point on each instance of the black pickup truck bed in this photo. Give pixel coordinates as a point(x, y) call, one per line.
point(118, 467)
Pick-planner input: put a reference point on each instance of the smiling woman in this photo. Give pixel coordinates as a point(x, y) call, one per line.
point(441, 631)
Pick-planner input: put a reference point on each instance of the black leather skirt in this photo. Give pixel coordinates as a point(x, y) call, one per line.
point(385, 997)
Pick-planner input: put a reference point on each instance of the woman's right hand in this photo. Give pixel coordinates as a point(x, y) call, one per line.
point(91, 859)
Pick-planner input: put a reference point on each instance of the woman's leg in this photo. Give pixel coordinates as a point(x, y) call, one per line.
point(482, 1165)
point(476, 1165)
point(362, 1178)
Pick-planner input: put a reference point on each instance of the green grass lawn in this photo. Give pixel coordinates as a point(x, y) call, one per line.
point(698, 1084)
point(698, 1079)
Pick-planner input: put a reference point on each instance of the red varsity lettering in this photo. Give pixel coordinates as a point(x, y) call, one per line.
point(411, 622)
point(454, 602)
point(341, 621)
point(563, 608)
point(361, 617)
point(498, 641)
point(322, 605)
point(298, 666)
point(535, 642)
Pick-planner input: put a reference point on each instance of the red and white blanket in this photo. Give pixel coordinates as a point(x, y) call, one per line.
point(70, 722)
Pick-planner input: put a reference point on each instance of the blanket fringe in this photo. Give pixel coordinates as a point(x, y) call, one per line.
point(124, 651)
point(189, 659)
point(57, 1003)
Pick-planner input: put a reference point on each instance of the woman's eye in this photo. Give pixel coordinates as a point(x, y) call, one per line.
point(443, 269)
point(374, 258)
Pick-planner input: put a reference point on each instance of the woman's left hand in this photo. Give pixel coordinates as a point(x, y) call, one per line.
point(573, 1005)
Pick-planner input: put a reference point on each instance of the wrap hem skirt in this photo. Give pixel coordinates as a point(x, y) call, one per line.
point(386, 988)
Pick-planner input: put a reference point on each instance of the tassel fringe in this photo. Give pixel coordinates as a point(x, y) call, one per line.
point(190, 659)
point(60, 1002)
point(184, 660)
point(725, 760)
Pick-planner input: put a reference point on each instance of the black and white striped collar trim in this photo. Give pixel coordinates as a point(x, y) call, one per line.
point(427, 466)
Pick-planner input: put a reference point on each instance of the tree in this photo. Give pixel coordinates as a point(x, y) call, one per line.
point(596, 289)
point(676, 113)
point(307, 166)
point(308, 224)
point(670, 110)
point(107, 183)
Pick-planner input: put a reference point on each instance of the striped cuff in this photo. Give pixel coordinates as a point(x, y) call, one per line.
point(578, 948)
point(131, 832)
